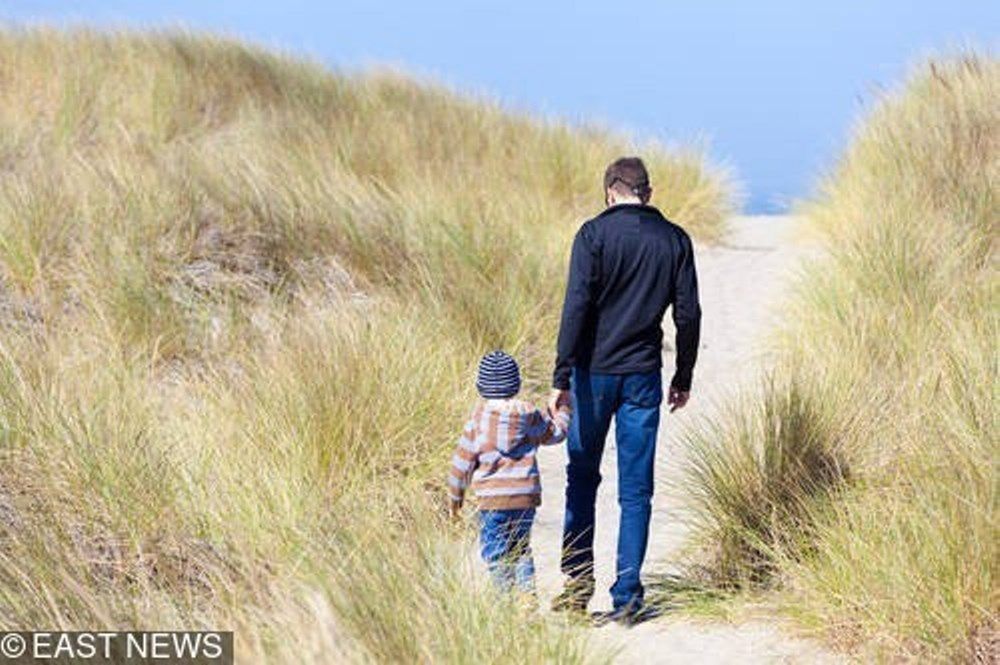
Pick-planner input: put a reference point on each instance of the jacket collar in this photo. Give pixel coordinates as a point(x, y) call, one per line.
point(621, 207)
point(509, 405)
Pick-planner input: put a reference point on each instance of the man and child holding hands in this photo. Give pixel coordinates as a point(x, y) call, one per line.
point(627, 266)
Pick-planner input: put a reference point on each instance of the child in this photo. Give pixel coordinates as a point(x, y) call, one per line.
point(496, 456)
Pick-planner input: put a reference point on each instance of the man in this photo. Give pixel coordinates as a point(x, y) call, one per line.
point(627, 266)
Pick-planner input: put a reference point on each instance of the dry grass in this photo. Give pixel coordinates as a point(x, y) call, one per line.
point(892, 357)
point(240, 301)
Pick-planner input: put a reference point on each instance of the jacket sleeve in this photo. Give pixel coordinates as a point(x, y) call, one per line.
point(463, 463)
point(686, 315)
point(581, 289)
point(543, 430)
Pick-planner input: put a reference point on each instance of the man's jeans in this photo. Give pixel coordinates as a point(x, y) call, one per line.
point(634, 402)
point(505, 544)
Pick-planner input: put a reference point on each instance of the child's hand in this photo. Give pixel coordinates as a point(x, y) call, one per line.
point(454, 510)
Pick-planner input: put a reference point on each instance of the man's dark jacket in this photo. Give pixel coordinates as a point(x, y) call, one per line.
point(628, 265)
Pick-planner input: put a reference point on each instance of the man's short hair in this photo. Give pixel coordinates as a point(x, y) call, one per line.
point(628, 175)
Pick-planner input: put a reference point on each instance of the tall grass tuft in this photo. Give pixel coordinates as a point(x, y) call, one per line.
point(241, 298)
point(892, 356)
point(753, 474)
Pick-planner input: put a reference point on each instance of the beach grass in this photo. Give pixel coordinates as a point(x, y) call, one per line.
point(862, 480)
point(242, 298)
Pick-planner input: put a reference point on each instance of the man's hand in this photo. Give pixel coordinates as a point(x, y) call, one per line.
point(557, 400)
point(677, 398)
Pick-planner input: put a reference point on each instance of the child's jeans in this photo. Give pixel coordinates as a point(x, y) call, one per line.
point(505, 541)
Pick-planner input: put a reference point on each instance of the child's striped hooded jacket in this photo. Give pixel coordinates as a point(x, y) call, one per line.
point(496, 454)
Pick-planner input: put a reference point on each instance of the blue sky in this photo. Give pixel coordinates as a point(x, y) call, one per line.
point(772, 85)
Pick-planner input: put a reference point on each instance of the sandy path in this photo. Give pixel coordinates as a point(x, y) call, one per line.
point(741, 280)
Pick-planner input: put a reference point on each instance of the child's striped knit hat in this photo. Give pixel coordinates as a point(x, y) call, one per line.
point(499, 376)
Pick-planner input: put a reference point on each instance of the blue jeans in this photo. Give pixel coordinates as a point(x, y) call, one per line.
point(634, 402)
point(505, 544)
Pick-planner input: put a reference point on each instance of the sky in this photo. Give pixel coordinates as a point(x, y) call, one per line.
point(771, 87)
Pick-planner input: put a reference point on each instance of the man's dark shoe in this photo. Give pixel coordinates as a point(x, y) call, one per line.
point(627, 615)
point(574, 597)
